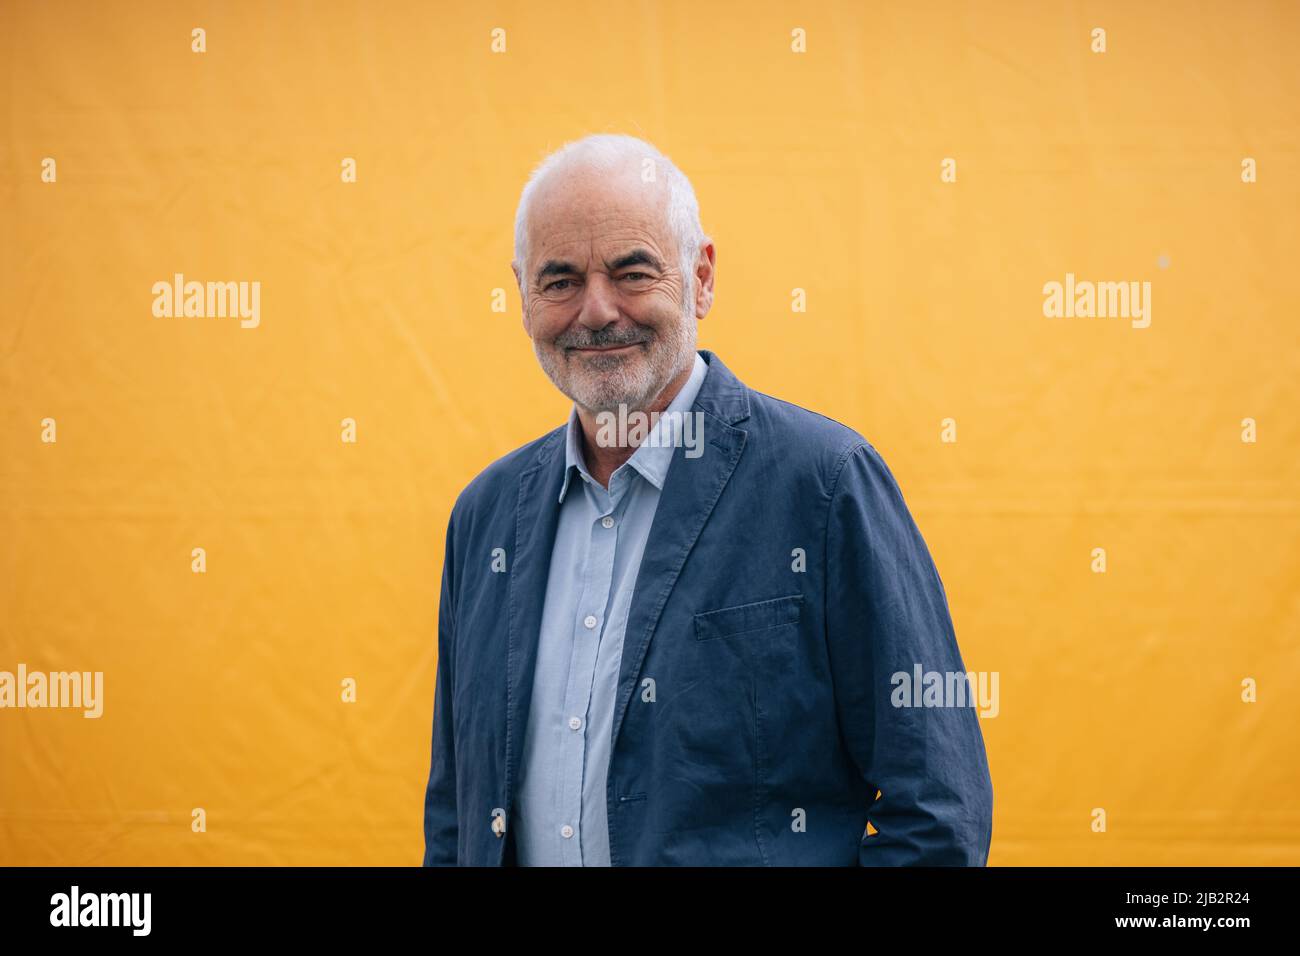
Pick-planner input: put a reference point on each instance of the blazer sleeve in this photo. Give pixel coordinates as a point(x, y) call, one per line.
point(886, 613)
point(440, 814)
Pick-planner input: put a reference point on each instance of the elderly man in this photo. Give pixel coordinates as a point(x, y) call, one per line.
point(653, 650)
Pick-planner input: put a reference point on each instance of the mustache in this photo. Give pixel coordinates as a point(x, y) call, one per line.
point(602, 338)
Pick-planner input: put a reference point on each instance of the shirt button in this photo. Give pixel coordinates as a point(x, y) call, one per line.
point(566, 831)
point(607, 521)
point(589, 621)
point(575, 723)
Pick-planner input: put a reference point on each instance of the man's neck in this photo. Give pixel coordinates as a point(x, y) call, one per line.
point(604, 461)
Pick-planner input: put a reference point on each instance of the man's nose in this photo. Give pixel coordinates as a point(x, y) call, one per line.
point(599, 302)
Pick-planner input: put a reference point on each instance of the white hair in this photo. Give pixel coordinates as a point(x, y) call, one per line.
point(608, 151)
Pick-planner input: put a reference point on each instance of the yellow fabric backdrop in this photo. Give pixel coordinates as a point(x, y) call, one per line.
point(818, 170)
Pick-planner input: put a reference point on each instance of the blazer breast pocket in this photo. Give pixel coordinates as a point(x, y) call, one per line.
point(748, 619)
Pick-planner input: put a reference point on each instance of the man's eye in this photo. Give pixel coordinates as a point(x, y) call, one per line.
point(635, 275)
point(554, 286)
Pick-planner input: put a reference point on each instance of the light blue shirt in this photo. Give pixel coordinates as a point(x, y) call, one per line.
point(562, 815)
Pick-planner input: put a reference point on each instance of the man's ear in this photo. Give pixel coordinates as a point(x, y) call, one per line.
point(705, 269)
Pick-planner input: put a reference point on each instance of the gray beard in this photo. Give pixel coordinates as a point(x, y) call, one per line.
point(634, 390)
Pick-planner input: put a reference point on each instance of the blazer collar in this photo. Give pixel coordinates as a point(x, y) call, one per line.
point(722, 394)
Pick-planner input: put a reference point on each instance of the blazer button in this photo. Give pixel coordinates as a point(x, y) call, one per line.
point(498, 824)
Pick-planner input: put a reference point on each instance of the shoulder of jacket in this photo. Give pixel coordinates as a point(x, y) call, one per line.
point(806, 433)
point(501, 478)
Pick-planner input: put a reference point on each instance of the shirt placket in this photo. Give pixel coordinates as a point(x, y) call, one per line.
point(587, 629)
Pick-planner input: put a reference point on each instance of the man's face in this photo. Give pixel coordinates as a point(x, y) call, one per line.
point(603, 292)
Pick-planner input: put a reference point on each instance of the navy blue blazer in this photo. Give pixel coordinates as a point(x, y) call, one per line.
point(783, 587)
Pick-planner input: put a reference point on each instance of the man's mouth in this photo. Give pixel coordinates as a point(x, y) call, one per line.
point(597, 350)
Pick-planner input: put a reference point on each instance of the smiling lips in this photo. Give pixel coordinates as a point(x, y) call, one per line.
point(605, 348)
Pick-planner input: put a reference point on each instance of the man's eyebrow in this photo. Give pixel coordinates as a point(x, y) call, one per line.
point(556, 267)
point(637, 257)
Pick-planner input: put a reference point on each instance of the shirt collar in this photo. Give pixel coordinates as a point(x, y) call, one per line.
point(650, 459)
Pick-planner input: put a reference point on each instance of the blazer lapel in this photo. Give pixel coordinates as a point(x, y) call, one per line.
point(537, 515)
point(690, 491)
